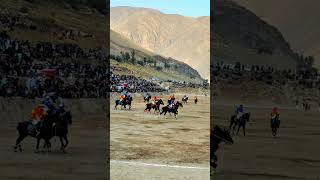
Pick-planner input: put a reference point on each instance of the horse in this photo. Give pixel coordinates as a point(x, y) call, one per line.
point(146, 98)
point(24, 131)
point(173, 110)
point(217, 136)
point(124, 103)
point(60, 128)
point(156, 106)
point(240, 123)
point(275, 124)
point(195, 100)
point(52, 125)
point(185, 100)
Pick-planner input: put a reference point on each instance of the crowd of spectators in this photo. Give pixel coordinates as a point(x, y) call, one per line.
point(267, 74)
point(11, 22)
point(133, 84)
point(22, 66)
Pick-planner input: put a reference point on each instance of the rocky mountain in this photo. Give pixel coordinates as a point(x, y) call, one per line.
point(183, 38)
point(296, 19)
point(240, 35)
point(174, 70)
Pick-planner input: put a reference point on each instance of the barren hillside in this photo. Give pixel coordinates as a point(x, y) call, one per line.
point(183, 38)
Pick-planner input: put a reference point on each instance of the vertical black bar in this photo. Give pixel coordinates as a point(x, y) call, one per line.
point(211, 83)
point(108, 93)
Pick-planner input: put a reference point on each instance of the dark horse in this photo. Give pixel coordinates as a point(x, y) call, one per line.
point(53, 124)
point(146, 98)
point(195, 100)
point(240, 123)
point(217, 136)
point(174, 109)
point(156, 106)
point(275, 124)
point(185, 100)
point(126, 102)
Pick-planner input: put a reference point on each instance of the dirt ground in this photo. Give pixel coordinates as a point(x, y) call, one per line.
point(293, 154)
point(83, 160)
point(139, 137)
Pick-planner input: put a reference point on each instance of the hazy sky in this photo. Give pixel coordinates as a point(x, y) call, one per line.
point(194, 8)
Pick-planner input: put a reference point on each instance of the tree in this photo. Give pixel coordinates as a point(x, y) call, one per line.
point(133, 59)
point(141, 63)
point(166, 65)
point(125, 56)
point(144, 60)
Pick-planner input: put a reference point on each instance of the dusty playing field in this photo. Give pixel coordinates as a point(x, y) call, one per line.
point(164, 143)
point(294, 154)
point(85, 154)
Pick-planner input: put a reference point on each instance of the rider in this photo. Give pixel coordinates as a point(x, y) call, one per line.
point(154, 99)
point(275, 114)
point(171, 101)
point(239, 112)
point(57, 98)
point(48, 103)
point(37, 115)
point(122, 97)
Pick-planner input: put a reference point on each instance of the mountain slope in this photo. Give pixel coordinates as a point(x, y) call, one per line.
point(182, 38)
point(178, 71)
point(299, 24)
point(239, 35)
point(51, 18)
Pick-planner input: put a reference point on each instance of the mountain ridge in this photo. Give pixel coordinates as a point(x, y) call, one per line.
point(241, 36)
point(298, 24)
point(154, 64)
point(186, 39)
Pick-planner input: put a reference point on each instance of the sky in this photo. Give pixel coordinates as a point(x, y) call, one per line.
point(192, 8)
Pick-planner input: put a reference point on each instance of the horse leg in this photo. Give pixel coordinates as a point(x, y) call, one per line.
point(45, 145)
point(234, 128)
point(48, 145)
point(37, 147)
point(230, 125)
point(62, 145)
point(18, 145)
point(238, 129)
point(244, 130)
point(67, 142)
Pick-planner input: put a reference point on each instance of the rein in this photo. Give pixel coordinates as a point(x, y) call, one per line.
point(223, 139)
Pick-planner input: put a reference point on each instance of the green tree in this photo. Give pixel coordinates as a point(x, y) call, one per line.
point(144, 60)
point(133, 59)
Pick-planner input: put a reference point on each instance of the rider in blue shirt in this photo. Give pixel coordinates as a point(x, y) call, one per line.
point(239, 111)
point(48, 103)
